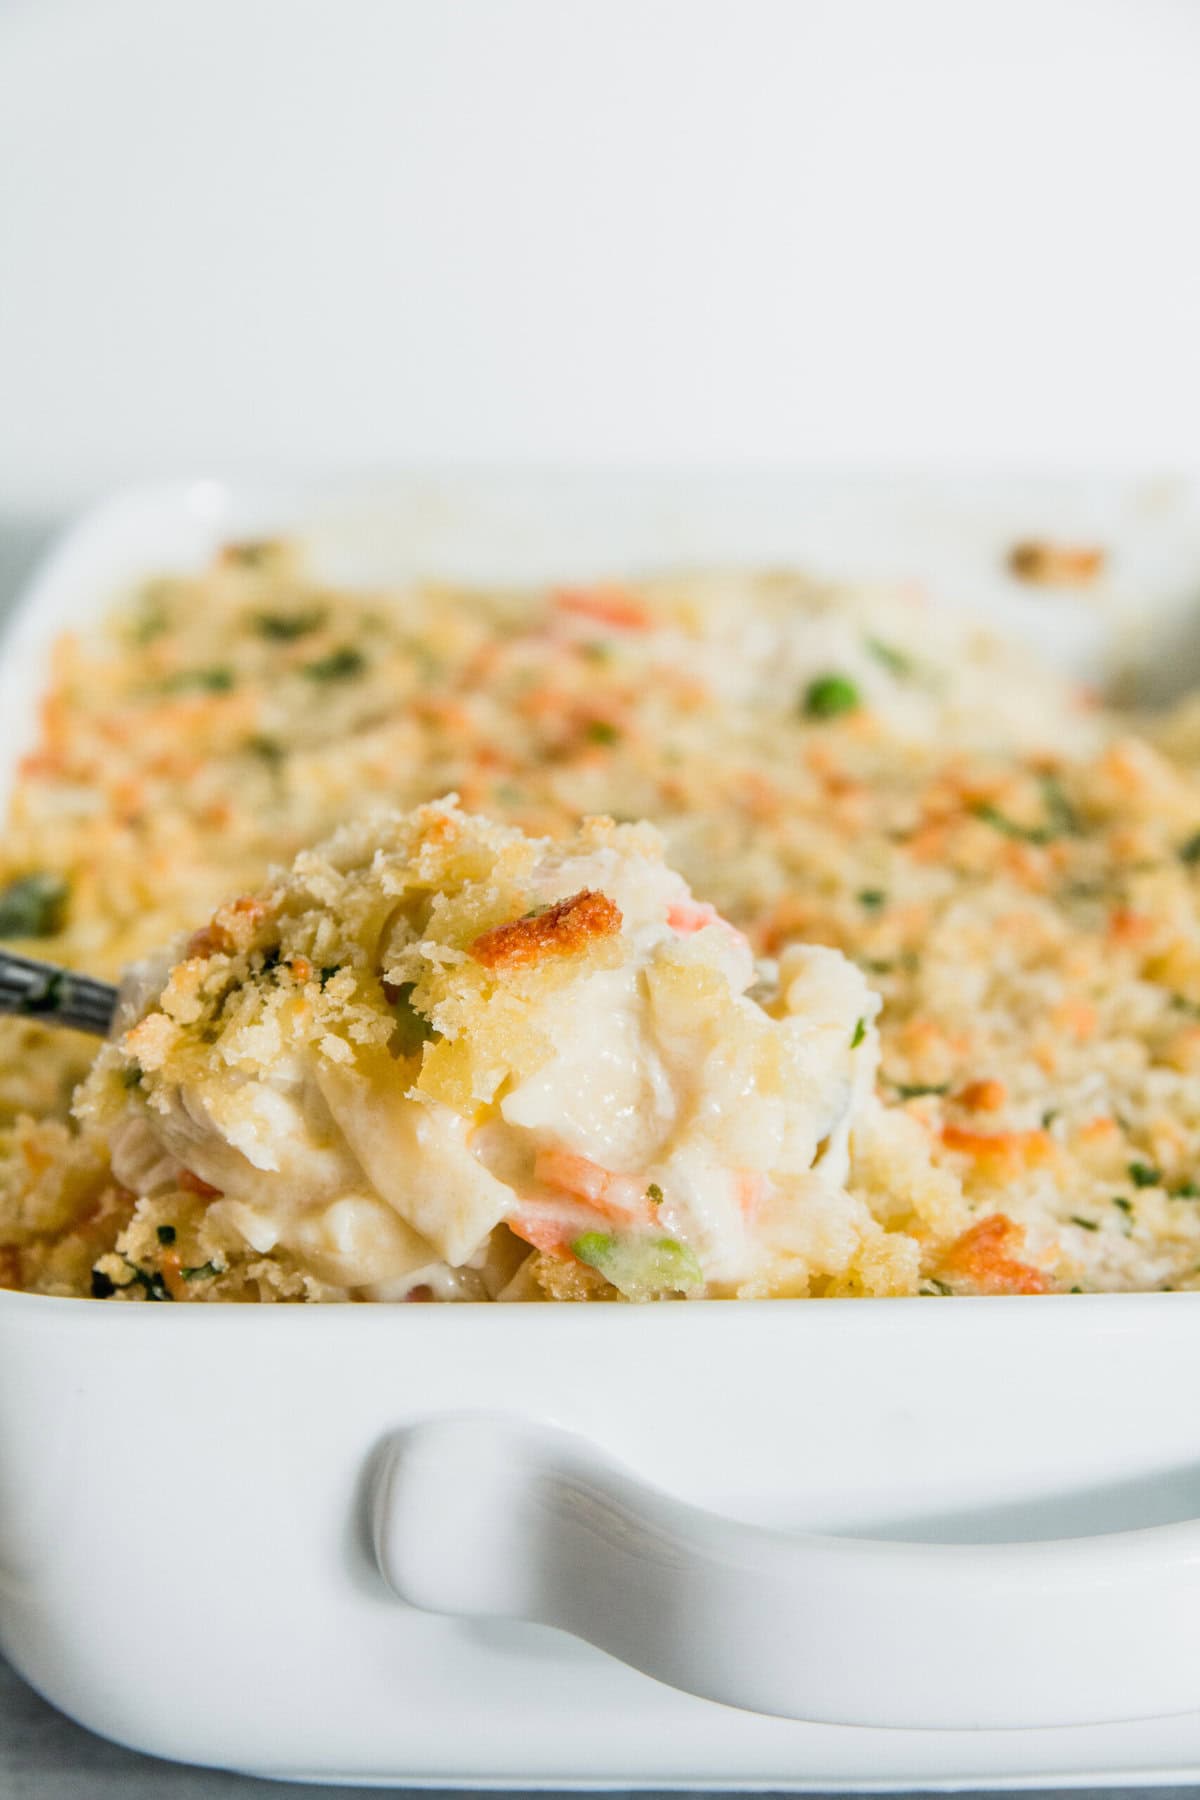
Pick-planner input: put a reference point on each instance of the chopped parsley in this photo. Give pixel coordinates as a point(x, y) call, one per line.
point(871, 898)
point(217, 680)
point(166, 1234)
point(1025, 834)
point(342, 664)
point(33, 906)
point(202, 1272)
point(150, 1281)
point(1125, 1205)
point(860, 1032)
point(1086, 1224)
point(654, 1193)
point(936, 1287)
point(413, 1029)
point(151, 620)
point(131, 1076)
point(1187, 1190)
point(1189, 851)
point(917, 1090)
point(268, 749)
point(896, 662)
point(1144, 1175)
point(285, 628)
point(828, 696)
point(599, 731)
point(1061, 819)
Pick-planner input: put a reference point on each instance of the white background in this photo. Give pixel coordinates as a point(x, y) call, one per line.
point(360, 232)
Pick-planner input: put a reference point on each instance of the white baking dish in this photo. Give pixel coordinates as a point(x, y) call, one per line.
point(880, 1531)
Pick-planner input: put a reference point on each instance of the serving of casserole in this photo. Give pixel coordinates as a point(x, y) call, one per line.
point(895, 996)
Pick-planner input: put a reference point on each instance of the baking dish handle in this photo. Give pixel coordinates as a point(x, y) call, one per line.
point(488, 1516)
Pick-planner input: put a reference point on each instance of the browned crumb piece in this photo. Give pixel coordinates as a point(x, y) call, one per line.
point(10, 1266)
point(231, 928)
point(562, 1279)
point(1056, 565)
point(561, 930)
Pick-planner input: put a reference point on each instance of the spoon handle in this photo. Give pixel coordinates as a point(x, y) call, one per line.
point(37, 990)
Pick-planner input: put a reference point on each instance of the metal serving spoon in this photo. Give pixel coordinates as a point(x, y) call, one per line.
point(38, 990)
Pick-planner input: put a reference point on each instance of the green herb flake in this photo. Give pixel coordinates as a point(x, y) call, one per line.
point(166, 1234)
point(1125, 1205)
point(917, 1090)
point(1189, 851)
point(342, 664)
point(1061, 816)
point(131, 1076)
point(654, 1193)
point(150, 1281)
point(285, 628)
point(1187, 1190)
point(871, 899)
point(33, 906)
point(413, 1030)
point(936, 1287)
point(599, 731)
point(1025, 834)
point(896, 662)
point(828, 696)
point(1144, 1175)
point(202, 1272)
point(217, 680)
point(860, 1032)
point(150, 620)
point(267, 749)
point(1085, 1224)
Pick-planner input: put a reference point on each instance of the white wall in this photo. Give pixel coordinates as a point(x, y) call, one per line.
point(363, 231)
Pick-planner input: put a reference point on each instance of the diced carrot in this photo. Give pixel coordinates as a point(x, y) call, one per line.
point(1076, 1016)
point(984, 1096)
point(172, 1274)
point(1128, 927)
point(562, 930)
point(982, 1256)
point(751, 1186)
point(544, 1233)
point(614, 606)
point(1000, 1155)
point(619, 1198)
point(688, 916)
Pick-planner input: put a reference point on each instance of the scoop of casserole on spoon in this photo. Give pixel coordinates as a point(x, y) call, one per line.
point(440, 1057)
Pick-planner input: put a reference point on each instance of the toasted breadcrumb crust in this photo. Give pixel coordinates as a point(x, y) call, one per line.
point(1015, 870)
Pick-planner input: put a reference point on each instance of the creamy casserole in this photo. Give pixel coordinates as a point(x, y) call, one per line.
point(895, 815)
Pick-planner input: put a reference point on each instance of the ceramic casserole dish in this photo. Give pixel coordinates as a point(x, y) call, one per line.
point(779, 1544)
